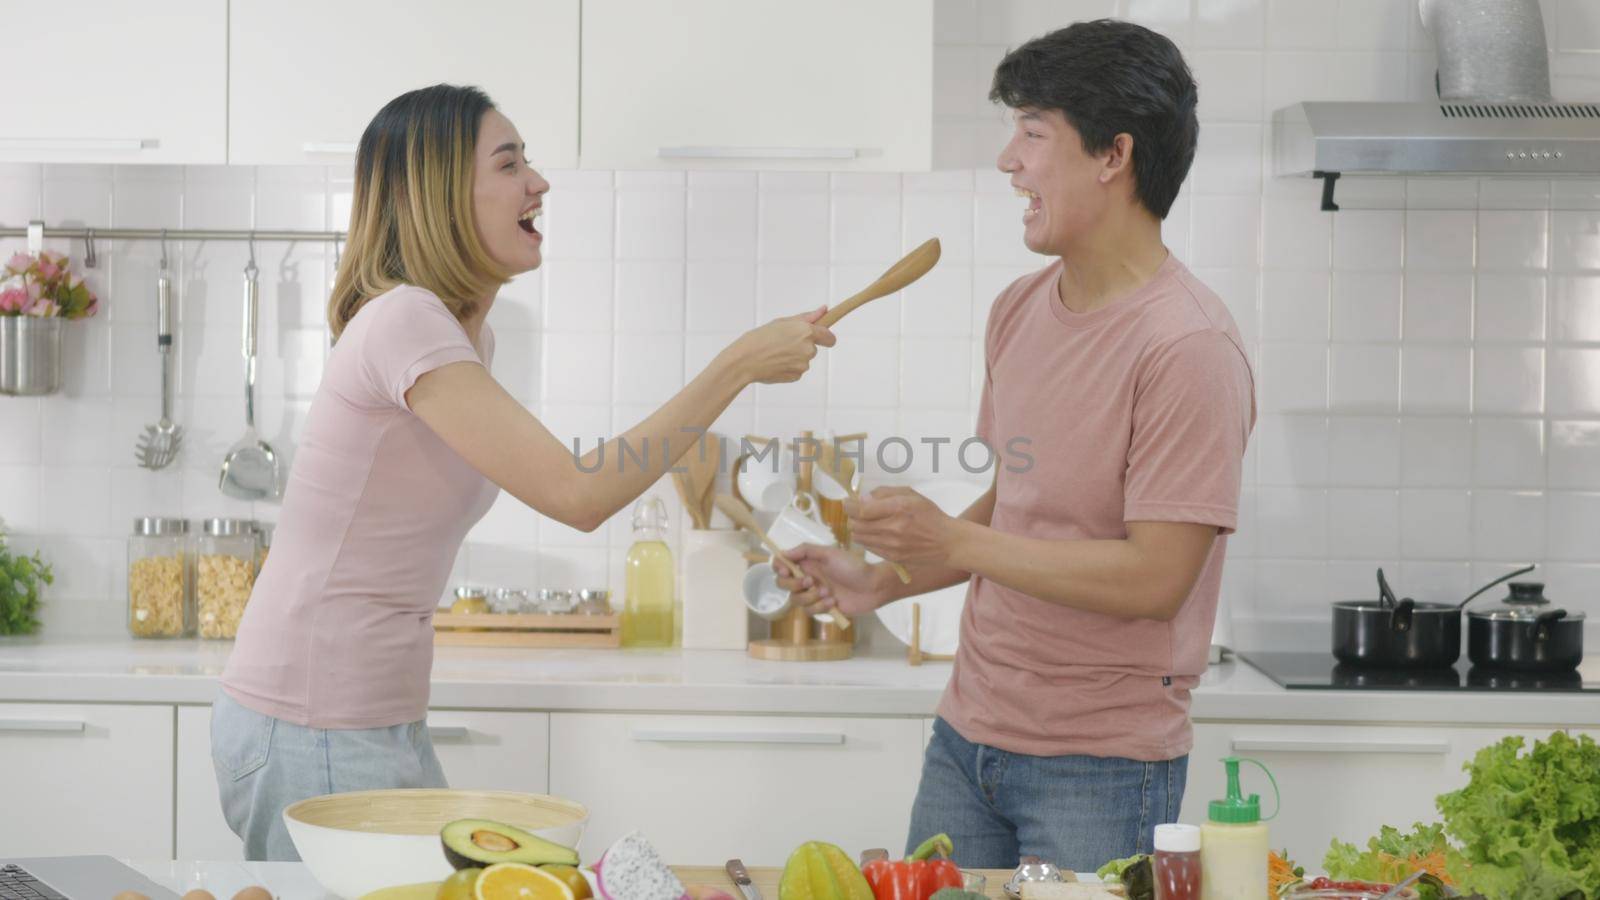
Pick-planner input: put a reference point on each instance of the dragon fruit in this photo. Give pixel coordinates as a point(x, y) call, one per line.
point(632, 870)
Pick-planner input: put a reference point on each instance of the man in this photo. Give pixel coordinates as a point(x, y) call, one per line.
point(1094, 572)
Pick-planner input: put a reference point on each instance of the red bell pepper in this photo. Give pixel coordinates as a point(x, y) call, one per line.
point(916, 877)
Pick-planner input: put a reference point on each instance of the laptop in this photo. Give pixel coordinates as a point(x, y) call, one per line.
point(73, 878)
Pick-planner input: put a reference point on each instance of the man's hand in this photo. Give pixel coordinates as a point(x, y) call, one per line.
point(899, 524)
point(834, 579)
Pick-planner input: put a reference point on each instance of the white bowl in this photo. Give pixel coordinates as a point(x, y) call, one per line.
point(359, 842)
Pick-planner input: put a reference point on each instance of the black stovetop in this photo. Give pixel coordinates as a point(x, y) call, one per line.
point(1320, 671)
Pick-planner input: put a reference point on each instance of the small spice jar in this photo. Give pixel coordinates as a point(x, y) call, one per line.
point(505, 601)
point(555, 601)
point(594, 602)
point(160, 599)
point(225, 573)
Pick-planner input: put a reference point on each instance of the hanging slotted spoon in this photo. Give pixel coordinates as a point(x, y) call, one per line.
point(250, 470)
point(161, 441)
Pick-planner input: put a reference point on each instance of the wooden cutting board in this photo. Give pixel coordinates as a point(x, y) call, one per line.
point(767, 879)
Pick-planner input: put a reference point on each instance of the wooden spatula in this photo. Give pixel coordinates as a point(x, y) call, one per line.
point(842, 469)
point(912, 266)
point(703, 462)
point(741, 515)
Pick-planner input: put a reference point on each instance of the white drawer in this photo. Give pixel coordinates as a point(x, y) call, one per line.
point(707, 788)
point(86, 779)
point(502, 751)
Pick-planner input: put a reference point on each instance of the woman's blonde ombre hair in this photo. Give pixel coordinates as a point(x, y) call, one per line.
point(411, 218)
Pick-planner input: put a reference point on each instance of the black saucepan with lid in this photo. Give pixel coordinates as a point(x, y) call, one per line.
point(1401, 633)
point(1525, 633)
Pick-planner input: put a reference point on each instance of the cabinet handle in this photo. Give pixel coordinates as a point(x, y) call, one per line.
point(1415, 748)
point(334, 147)
point(448, 732)
point(61, 725)
point(757, 152)
point(93, 144)
point(674, 736)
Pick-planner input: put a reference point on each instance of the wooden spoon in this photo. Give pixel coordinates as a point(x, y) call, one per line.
point(842, 469)
point(703, 462)
point(691, 501)
point(912, 266)
point(744, 518)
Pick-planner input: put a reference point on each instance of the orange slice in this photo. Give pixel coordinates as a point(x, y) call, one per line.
point(517, 881)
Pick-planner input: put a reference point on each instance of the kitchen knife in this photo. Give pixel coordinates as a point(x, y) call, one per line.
point(741, 879)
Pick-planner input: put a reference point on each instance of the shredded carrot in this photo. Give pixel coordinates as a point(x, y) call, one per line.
point(1280, 874)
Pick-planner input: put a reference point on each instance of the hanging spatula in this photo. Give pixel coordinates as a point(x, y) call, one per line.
point(161, 441)
point(250, 470)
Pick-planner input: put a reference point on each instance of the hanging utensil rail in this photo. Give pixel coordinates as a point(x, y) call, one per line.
point(37, 231)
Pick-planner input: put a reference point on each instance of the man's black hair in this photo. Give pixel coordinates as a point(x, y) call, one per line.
point(1109, 77)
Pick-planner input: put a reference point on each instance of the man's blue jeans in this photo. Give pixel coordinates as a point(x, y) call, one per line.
point(1078, 812)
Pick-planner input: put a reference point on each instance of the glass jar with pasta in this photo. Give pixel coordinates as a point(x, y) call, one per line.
point(160, 579)
point(225, 573)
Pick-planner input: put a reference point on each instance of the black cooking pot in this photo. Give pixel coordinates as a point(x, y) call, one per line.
point(1401, 634)
point(1390, 633)
point(1524, 633)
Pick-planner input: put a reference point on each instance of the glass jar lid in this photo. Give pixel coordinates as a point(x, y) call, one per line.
point(160, 526)
point(228, 527)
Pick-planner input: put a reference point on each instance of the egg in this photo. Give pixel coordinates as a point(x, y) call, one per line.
point(199, 894)
point(130, 895)
point(253, 892)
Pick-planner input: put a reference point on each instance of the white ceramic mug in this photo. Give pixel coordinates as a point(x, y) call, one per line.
point(762, 594)
point(798, 524)
point(767, 483)
point(764, 598)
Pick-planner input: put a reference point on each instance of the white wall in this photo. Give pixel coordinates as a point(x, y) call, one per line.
point(1429, 379)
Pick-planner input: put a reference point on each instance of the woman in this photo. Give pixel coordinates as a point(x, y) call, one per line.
point(407, 443)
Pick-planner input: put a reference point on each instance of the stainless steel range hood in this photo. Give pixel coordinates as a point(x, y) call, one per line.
point(1329, 139)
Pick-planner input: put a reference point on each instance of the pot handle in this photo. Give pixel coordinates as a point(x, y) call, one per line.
point(1400, 618)
point(1541, 625)
point(1507, 577)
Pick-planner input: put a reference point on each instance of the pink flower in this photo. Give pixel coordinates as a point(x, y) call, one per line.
point(48, 268)
point(12, 299)
point(44, 309)
point(92, 308)
point(19, 262)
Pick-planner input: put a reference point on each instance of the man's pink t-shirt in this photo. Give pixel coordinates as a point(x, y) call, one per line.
point(338, 632)
point(1135, 412)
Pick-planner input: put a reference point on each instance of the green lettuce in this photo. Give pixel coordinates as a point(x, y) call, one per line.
point(1529, 824)
point(1388, 857)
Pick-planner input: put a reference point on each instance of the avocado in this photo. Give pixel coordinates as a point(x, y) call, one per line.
point(470, 843)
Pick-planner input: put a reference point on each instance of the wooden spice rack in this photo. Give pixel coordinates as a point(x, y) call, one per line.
point(565, 631)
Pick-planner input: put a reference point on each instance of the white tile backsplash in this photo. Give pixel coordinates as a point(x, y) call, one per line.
point(1428, 374)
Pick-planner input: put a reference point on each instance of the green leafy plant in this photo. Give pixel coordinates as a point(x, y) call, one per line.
point(22, 578)
point(1529, 824)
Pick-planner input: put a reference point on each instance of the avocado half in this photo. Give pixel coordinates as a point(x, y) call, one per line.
point(479, 842)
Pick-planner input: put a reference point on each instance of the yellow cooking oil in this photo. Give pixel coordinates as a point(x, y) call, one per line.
point(649, 612)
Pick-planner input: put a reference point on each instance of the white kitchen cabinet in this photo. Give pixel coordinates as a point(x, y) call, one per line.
point(306, 76)
point(506, 751)
point(86, 779)
point(706, 788)
point(125, 82)
point(760, 84)
point(503, 751)
point(1337, 781)
point(202, 832)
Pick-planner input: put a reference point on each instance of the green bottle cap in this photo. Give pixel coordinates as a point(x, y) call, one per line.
point(1236, 809)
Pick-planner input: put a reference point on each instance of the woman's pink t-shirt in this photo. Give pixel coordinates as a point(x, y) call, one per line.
point(1135, 412)
point(338, 632)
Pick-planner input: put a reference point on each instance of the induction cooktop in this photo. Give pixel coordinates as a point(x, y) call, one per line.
point(1320, 671)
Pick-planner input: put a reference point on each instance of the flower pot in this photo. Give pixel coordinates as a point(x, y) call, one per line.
point(30, 355)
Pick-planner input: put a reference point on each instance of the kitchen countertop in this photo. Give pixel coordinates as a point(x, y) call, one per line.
point(706, 681)
point(285, 880)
